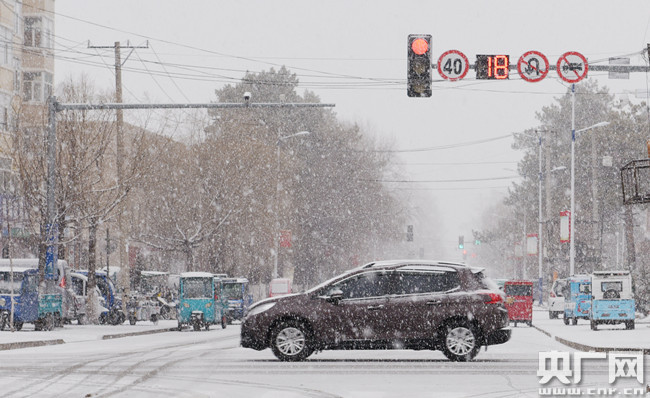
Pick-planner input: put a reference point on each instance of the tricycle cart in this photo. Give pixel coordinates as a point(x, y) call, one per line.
point(197, 301)
point(612, 301)
point(29, 305)
point(519, 301)
point(577, 299)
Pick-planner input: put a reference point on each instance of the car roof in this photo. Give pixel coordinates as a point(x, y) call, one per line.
point(402, 263)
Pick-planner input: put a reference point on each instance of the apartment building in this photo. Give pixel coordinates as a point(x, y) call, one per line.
point(26, 81)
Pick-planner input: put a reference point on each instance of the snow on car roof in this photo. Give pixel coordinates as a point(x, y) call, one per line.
point(196, 275)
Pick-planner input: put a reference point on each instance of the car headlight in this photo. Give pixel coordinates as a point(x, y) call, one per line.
point(260, 308)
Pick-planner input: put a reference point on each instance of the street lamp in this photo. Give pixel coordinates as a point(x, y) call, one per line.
point(276, 229)
point(574, 132)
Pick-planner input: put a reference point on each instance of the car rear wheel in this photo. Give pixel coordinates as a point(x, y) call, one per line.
point(290, 341)
point(460, 341)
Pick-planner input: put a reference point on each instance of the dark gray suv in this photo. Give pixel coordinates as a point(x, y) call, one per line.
point(384, 305)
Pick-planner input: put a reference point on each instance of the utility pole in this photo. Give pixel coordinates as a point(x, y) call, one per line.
point(125, 270)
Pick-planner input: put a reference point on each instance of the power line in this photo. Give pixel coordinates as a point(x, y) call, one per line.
point(462, 180)
point(437, 148)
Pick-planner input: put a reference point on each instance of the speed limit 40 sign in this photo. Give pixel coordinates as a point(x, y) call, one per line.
point(453, 65)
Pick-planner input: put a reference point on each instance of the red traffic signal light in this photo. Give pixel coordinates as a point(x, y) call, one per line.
point(420, 46)
point(418, 78)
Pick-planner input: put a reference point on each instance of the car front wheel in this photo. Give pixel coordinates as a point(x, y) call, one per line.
point(290, 341)
point(460, 342)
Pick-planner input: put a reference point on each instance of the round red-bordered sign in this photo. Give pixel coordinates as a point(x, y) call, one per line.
point(453, 65)
point(533, 66)
point(572, 67)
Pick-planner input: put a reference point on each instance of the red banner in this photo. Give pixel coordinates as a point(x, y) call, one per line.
point(285, 238)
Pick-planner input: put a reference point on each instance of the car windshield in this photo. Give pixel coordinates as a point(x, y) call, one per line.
point(234, 291)
point(519, 290)
point(197, 288)
point(6, 284)
point(558, 287)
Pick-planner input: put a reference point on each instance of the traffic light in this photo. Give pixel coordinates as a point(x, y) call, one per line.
point(419, 66)
point(409, 233)
point(461, 242)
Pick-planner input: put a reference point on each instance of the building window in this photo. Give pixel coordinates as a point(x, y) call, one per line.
point(6, 39)
point(17, 75)
point(5, 101)
point(37, 86)
point(38, 32)
point(18, 12)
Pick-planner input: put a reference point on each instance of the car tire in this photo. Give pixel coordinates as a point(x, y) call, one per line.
point(224, 322)
point(629, 324)
point(566, 320)
point(460, 342)
point(594, 325)
point(18, 326)
point(574, 321)
point(291, 341)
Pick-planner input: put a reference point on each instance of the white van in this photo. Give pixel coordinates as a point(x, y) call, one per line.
point(556, 298)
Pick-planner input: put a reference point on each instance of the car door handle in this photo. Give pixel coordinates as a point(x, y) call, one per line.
point(375, 307)
point(434, 302)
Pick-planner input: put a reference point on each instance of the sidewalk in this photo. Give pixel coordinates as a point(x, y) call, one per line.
point(606, 338)
point(28, 337)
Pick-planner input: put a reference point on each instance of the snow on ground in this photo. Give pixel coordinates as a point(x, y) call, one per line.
point(76, 333)
point(607, 336)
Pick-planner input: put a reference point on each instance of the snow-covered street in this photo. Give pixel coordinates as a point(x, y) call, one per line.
point(193, 364)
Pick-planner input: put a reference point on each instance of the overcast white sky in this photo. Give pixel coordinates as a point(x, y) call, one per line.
point(353, 54)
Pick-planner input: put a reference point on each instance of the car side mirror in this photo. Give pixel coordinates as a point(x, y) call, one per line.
point(335, 296)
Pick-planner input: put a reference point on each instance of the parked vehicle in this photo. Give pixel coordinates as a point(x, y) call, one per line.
point(79, 285)
point(197, 301)
point(612, 301)
point(220, 301)
point(151, 298)
point(556, 298)
point(239, 299)
point(519, 301)
point(30, 306)
point(114, 315)
point(279, 287)
point(384, 305)
point(577, 298)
